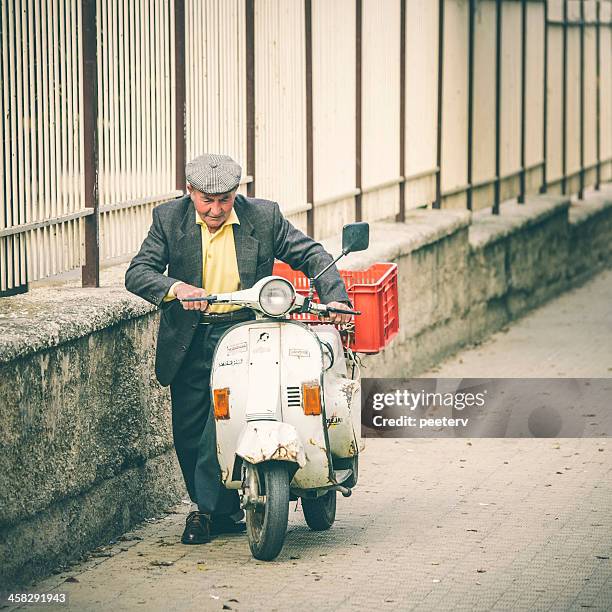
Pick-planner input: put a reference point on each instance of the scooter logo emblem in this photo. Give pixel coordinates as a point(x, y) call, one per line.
point(262, 345)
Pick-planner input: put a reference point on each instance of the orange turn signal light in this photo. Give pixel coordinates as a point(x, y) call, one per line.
point(311, 398)
point(221, 401)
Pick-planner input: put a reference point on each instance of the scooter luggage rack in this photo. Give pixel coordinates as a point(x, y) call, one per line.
point(372, 291)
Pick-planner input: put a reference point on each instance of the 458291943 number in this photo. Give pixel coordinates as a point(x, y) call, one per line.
point(35, 598)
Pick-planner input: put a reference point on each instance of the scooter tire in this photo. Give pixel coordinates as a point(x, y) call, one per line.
point(266, 529)
point(320, 513)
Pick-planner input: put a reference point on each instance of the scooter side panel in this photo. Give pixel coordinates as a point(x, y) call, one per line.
point(342, 399)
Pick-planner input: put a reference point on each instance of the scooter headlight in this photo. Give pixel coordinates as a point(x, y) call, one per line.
point(277, 297)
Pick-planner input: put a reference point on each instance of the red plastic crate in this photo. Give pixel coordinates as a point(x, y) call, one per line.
point(372, 291)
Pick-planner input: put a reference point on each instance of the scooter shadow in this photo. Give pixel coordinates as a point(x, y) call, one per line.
point(302, 541)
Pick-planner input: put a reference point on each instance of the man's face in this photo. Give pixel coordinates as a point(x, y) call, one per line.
point(214, 209)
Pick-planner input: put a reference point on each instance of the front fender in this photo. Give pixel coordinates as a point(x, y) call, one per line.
point(270, 441)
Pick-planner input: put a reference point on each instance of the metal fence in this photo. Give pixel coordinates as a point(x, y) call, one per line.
point(338, 109)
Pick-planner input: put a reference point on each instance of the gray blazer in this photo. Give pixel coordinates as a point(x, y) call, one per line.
point(175, 242)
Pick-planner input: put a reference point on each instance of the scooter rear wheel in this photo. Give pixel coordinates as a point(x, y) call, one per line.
point(267, 523)
point(320, 513)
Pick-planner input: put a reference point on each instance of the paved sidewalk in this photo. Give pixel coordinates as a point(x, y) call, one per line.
point(434, 524)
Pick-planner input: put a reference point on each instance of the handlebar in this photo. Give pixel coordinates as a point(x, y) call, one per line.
point(208, 298)
point(314, 307)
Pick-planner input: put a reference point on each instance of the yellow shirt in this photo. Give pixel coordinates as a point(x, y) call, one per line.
point(219, 263)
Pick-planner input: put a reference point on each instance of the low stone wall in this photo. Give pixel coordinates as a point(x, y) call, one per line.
point(86, 450)
point(464, 276)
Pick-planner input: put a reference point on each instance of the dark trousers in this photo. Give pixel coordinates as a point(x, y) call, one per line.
point(193, 425)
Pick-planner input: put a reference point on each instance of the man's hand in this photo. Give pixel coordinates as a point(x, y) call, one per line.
point(184, 290)
point(336, 317)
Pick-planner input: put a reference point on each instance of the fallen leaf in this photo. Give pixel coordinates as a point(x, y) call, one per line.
point(128, 537)
point(162, 563)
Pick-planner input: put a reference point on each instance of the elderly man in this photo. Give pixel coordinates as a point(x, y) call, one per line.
point(211, 241)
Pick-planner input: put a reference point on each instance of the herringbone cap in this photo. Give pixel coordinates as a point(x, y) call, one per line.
point(213, 173)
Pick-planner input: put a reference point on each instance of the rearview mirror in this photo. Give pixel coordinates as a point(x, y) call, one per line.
point(355, 237)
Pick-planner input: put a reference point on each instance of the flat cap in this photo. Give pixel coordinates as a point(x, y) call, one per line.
point(213, 173)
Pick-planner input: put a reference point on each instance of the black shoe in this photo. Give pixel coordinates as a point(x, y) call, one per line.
point(197, 528)
point(224, 523)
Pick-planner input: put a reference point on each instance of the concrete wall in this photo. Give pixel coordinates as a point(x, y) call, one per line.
point(86, 451)
point(461, 279)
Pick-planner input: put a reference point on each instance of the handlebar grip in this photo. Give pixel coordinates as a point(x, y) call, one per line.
point(208, 298)
point(342, 311)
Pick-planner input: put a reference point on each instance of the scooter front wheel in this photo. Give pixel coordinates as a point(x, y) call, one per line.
point(268, 512)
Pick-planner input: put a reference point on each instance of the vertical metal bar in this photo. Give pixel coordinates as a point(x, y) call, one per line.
point(581, 190)
point(401, 217)
point(90, 273)
point(438, 202)
point(470, 134)
point(16, 40)
point(358, 99)
point(179, 92)
point(310, 214)
point(598, 94)
point(4, 156)
point(12, 260)
point(564, 105)
point(543, 186)
point(498, 44)
point(250, 93)
point(521, 196)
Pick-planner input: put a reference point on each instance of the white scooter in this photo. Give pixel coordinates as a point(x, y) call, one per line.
point(287, 402)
